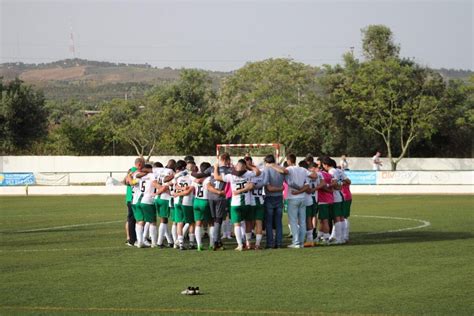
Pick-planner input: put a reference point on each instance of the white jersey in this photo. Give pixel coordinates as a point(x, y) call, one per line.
point(171, 185)
point(161, 174)
point(136, 193)
point(338, 175)
point(147, 189)
point(238, 183)
point(182, 183)
point(257, 193)
point(200, 189)
point(312, 198)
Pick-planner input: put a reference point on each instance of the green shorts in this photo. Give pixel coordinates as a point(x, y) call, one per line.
point(239, 213)
point(323, 210)
point(145, 212)
point(335, 210)
point(173, 214)
point(311, 210)
point(162, 208)
point(346, 207)
point(258, 212)
point(184, 214)
point(202, 212)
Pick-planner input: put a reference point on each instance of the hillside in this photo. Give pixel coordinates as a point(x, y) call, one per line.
point(93, 82)
point(90, 81)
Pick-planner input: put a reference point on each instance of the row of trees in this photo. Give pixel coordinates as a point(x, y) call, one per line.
point(382, 102)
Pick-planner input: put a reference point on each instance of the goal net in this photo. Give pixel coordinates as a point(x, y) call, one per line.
point(256, 151)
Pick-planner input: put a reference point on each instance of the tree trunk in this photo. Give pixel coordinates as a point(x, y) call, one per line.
point(393, 165)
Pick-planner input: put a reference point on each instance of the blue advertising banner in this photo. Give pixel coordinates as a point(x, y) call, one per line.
point(8, 179)
point(362, 177)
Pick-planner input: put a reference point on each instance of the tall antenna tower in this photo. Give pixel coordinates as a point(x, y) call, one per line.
point(72, 47)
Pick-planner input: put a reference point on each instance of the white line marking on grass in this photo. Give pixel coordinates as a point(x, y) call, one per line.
point(423, 223)
point(62, 227)
point(59, 249)
point(157, 310)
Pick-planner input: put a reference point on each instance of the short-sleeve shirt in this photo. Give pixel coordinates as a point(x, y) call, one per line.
point(296, 177)
point(161, 174)
point(313, 183)
point(337, 175)
point(182, 183)
point(325, 197)
point(147, 189)
point(237, 183)
point(257, 193)
point(200, 189)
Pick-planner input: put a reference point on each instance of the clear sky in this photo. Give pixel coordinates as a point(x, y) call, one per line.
point(223, 35)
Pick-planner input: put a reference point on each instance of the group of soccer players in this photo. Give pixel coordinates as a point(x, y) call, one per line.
point(194, 199)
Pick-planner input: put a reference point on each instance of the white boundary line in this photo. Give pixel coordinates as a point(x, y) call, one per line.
point(423, 223)
point(60, 227)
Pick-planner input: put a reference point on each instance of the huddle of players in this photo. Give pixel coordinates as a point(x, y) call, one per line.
point(193, 197)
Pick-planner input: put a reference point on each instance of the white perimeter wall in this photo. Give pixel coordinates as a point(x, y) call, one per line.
point(123, 163)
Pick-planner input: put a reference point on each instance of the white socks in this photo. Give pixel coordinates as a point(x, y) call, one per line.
point(258, 239)
point(185, 229)
point(191, 238)
point(146, 229)
point(248, 236)
point(139, 232)
point(238, 235)
point(198, 233)
point(174, 232)
point(153, 234)
point(346, 229)
point(339, 230)
point(161, 234)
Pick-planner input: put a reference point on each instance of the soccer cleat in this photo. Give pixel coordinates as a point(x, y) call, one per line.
point(308, 244)
point(188, 291)
point(200, 248)
point(154, 246)
point(248, 247)
point(142, 245)
point(146, 243)
point(257, 247)
point(129, 243)
point(239, 248)
point(181, 247)
point(293, 246)
point(196, 291)
point(192, 246)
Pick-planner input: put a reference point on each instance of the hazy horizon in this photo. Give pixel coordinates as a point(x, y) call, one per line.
point(224, 35)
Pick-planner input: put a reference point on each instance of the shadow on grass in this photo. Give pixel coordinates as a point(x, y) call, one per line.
point(366, 238)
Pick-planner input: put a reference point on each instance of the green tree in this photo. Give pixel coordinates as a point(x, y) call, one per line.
point(274, 100)
point(23, 117)
point(395, 99)
point(377, 43)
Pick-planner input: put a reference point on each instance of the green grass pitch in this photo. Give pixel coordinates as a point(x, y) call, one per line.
point(66, 255)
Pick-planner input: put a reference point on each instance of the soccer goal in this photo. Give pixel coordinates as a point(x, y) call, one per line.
point(258, 151)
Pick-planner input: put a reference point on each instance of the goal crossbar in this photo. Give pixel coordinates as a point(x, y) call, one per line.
point(278, 148)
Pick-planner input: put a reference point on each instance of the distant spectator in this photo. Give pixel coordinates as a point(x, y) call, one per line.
point(376, 161)
point(343, 163)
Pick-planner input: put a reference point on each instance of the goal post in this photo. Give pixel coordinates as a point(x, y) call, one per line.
point(255, 150)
